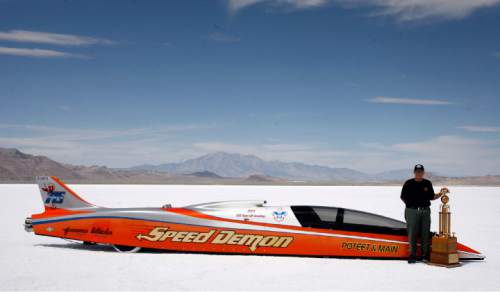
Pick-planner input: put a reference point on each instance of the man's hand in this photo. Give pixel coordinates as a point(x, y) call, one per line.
point(443, 191)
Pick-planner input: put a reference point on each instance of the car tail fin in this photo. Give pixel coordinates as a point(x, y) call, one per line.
point(55, 194)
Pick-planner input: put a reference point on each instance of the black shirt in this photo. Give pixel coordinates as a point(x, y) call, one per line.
point(417, 193)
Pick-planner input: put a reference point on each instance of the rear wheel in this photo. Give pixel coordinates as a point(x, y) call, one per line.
point(128, 249)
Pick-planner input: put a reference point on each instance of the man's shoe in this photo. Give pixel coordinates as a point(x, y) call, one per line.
point(411, 260)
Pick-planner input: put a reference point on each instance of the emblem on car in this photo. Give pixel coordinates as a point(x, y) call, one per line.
point(279, 215)
point(53, 196)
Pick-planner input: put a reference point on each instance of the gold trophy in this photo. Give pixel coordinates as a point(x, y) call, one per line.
point(444, 243)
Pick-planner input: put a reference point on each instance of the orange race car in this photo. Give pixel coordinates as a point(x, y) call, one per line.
point(233, 227)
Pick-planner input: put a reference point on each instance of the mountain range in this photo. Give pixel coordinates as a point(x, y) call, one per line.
point(213, 168)
point(239, 165)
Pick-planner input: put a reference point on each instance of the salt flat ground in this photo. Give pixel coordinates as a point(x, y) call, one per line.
point(30, 262)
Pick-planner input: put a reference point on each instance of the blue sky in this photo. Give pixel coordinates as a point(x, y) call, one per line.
point(368, 84)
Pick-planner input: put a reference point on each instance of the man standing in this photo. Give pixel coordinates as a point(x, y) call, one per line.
point(417, 194)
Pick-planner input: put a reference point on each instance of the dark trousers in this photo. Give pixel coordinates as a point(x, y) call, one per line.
point(418, 222)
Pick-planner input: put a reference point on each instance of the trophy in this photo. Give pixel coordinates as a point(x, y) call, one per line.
point(444, 243)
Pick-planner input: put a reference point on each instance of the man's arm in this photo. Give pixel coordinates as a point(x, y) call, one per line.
point(404, 192)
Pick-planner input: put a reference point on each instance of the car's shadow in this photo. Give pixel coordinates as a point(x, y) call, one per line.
point(79, 246)
point(91, 247)
point(110, 249)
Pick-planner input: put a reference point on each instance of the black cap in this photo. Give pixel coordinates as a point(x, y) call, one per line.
point(418, 167)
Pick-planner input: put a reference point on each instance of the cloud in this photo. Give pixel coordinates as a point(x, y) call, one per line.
point(496, 55)
point(111, 147)
point(483, 129)
point(78, 134)
point(65, 108)
point(407, 101)
point(402, 10)
point(26, 36)
point(168, 45)
point(236, 5)
point(39, 53)
point(448, 154)
point(414, 10)
point(221, 37)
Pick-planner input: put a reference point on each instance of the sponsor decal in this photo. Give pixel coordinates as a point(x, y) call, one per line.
point(279, 215)
point(75, 230)
point(101, 231)
point(370, 247)
point(50, 229)
point(53, 196)
point(224, 237)
point(250, 214)
point(94, 230)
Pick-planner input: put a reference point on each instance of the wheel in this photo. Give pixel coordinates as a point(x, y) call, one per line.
point(128, 249)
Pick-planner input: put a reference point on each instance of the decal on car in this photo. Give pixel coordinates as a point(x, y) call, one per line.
point(279, 215)
point(228, 237)
point(370, 247)
point(53, 196)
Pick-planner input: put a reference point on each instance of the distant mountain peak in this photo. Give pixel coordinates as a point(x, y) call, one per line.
point(243, 165)
point(13, 152)
point(227, 155)
point(16, 164)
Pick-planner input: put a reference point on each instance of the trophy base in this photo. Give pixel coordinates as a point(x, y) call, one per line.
point(444, 251)
point(445, 266)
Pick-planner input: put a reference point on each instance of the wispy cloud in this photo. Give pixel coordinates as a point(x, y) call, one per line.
point(496, 55)
point(415, 10)
point(26, 36)
point(449, 154)
point(407, 101)
point(65, 107)
point(403, 10)
point(111, 147)
point(78, 134)
point(168, 45)
point(482, 129)
point(236, 5)
point(221, 37)
point(168, 143)
point(39, 53)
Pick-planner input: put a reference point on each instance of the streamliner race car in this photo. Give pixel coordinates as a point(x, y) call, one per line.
point(232, 227)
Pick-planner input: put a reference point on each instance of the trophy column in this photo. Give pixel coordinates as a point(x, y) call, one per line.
point(444, 243)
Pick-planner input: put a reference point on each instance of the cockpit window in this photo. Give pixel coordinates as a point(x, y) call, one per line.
point(346, 219)
point(363, 218)
point(326, 214)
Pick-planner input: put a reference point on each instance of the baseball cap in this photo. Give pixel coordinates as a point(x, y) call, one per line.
point(418, 167)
